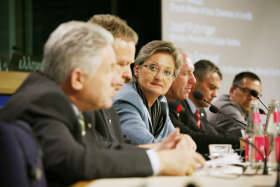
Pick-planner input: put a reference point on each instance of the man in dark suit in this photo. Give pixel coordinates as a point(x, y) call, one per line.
point(184, 108)
point(79, 74)
point(108, 124)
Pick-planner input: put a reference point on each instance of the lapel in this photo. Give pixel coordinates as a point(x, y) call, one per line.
point(147, 114)
point(203, 115)
point(89, 118)
point(205, 125)
point(203, 120)
point(189, 117)
point(110, 125)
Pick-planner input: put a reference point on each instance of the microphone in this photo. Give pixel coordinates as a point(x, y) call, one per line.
point(262, 111)
point(214, 109)
point(255, 94)
point(198, 95)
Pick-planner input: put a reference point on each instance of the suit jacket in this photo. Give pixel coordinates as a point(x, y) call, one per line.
point(68, 157)
point(135, 119)
point(107, 128)
point(203, 136)
point(228, 126)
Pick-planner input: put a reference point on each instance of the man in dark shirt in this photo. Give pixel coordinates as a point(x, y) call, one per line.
point(108, 126)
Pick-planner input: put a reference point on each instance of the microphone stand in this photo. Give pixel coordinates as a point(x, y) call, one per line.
point(277, 184)
point(265, 170)
point(262, 103)
point(199, 96)
point(255, 94)
point(214, 109)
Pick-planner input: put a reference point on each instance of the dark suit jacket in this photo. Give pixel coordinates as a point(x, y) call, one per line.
point(68, 157)
point(203, 136)
point(107, 128)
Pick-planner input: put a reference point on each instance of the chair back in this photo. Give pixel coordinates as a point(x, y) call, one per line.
point(20, 156)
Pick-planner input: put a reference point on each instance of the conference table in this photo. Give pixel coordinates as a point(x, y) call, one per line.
point(196, 180)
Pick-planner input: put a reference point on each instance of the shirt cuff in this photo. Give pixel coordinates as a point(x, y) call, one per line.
point(154, 161)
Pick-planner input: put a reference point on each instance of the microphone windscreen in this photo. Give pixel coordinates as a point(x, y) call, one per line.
point(214, 109)
point(198, 95)
point(254, 93)
point(262, 111)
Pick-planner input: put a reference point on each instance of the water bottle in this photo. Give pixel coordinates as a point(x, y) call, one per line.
point(274, 131)
point(249, 135)
point(258, 137)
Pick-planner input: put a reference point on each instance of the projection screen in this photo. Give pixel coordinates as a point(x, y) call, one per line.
point(236, 35)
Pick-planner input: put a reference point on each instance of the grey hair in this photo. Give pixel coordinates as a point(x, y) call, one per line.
point(69, 45)
point(157, 46)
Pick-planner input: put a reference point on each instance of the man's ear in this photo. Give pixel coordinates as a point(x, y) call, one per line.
point(232, 88)
point(77, 79)
point(136, 70)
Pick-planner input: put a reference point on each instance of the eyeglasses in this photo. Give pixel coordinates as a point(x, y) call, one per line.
point(248, 90)
point(155, 69)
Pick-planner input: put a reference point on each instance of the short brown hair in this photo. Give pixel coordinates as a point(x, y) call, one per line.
point(246, 74)
point(160, 46)
point(117, 26)
point(203, 67)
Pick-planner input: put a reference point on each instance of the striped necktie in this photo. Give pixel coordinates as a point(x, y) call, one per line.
point(82, 124)
point(197, 118)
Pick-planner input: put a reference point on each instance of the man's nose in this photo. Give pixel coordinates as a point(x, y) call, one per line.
point(192, 80)
point(159, 75)
point(214, 94)
point(127, 75)
point(250, 97)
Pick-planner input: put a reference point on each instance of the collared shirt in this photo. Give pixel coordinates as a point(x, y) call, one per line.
point(76, 110)
point(81, 119)
point(192, 106)
point(154, 160)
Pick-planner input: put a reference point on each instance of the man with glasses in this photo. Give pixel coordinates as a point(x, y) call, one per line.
point(236, 104)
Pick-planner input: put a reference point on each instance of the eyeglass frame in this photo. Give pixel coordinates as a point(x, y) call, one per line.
point(157, 70)
point(247, 90)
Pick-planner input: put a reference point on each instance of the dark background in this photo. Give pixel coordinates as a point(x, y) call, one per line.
point(143, 16)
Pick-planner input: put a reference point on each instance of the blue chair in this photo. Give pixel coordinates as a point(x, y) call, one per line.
point(20, 160)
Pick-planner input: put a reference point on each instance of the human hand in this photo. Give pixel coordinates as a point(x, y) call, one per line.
point(179, 161)
point(242, 143)
point(170, 142)
point(189, 142)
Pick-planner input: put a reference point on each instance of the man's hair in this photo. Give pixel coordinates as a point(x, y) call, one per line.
point(246, 74)
point(117, 26)
point(203, 67)
point(157, 46)
point(70, 46)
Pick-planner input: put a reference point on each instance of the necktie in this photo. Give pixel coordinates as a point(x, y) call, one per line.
point(82, 124)
point(197, 118)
